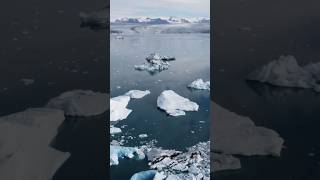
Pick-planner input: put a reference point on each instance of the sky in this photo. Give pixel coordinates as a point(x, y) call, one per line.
point(159, 8)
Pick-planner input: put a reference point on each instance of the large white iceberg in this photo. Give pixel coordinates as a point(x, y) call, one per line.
point(80, 103)
point(174, 104)
point(137, 94)
point(287, 72)
point(238, 135)
point(200, 84)
point(117, 152)
point(25, 139)
point(118, 108)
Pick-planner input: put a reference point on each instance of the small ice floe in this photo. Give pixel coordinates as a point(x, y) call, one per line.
point(27, 82)
point(117, 152)
point(156, 56)
point(174, 104)
point(80, 103)
point(144, 175)
point(143, 135)
point(118, 108)
point(26, 137)
point(119, 37)
point(200, 84)
point(115, 130)
point(172, 164)
point(238, 135)
point(155, 63)
point(286, 72)
point(137, 94)
point(221, 162)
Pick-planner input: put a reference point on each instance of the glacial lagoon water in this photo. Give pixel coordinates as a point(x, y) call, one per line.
point(192, 52)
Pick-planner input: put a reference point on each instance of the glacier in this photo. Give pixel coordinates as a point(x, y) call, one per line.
point(286, 72)
point(174, 104)
point(200, 84)
point(80, 103)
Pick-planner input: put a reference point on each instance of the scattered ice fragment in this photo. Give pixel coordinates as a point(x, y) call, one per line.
point(200, 84)
point(27, 82)
point(286, 72)
point(118, 108)
point(156, 56)
point(238, 135)
point(143, 136)
point(174, 104)
point(144, 175)
point(80, 103)
point(172, 164)
point(137, 94)
point(115, 130)
point(117, 152)
point(119, 37)
point(155, 63)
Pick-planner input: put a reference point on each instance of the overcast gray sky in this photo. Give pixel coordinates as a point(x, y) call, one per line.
point(159, 8)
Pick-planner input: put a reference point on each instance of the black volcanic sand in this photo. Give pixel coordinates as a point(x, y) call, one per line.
point(277, 27)
point(42, 40)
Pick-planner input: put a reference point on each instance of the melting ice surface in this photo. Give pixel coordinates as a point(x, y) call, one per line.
point(174, 104)
point(200, 84)
point(287, 72)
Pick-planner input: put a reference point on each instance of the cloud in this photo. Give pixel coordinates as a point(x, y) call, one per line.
point(156, 8)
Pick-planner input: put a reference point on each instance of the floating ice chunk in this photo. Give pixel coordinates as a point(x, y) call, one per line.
point(155, 63)
point(117, 152)
point(118, 108)
point(115, 130)
point(119, 37)
point(235, 134)
point(27, 82)
point(159, 176)
point(200, 84)
point(137, 94)
point(172, 164)
point(174, 104)
point(80, 103)
point(220, 162)
point(156, 56)
point(143, 135)
point(144, 175)
point(25, 138)
point(284, 72)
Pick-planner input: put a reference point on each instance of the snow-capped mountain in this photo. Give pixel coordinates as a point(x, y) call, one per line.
point(161, 20)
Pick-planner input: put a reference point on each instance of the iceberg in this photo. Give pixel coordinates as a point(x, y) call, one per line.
point(172, 164)
point(286, 72)
point(27, 82)
point(200, 84)
point(144, 175)
point(115, 130)
point(221, 162)
point(80, 103)
point(174, 104)
point(117, 152)
point(238, 135)
point(118, 108)
point(155, 63)
point(137, 94)
point(25, 139)
point(143, 135)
